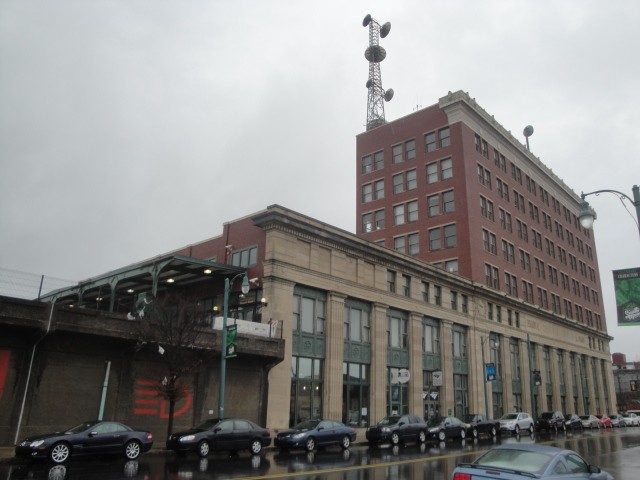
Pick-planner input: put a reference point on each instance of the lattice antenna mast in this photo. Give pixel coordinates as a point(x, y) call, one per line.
point(376, 54)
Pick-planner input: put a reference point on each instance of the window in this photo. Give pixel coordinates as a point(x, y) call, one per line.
point(434, 239)
point(491, 276)
point(437, 294)
point(396, 154)
point(489, 241)
point(412, 179)
point(433, 205)
point(398, 214)
point(391, 281)
point(398, 183)
point(357, 322)
point(406, 285)
point(379, 217)
point(448, 202)
point(373, 221)
point(445, 138)
point(432, 173)
point(451, 266)
point(446, 167)
point(454, 300)
point(430, 335)
point(425, 291)
point(414, 243)
point(378, 190)
point(309, 312)
point(464, 303)
point(399, 244)
point(245, 258)
point(378, 159)
point(450, 239)
point(367, 164)
point(396, 330)
point(367, 193)
point(367, 222)
point(430, 142)
point(410, 150)
point(459, 342)
point(412, 211)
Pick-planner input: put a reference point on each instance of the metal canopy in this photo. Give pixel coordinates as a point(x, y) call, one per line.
point(152, 276)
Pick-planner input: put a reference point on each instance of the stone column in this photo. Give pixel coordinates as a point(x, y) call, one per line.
point(447, 398)
point(507, 375)
point(555, 378)
point(378, 362)
point(415, 364)
point(334, 355)
point(525, 376)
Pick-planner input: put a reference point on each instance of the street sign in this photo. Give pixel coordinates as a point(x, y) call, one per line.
point(437, 378)
point(403, 375)
point(490, 372)
point(232, 336)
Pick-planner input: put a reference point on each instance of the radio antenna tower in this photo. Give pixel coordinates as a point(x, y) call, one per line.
point(375, 54)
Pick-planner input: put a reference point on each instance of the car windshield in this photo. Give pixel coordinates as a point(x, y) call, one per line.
point(307, 425)
point(511, 459)
point(81, 428)
point(389, 420)
point(468, 418)
point(584, 417)
point(509, 416)
point(435, 421)
point(546, 415)
point(208, 424)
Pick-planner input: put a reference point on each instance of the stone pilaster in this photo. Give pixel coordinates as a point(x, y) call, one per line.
point(334, 355)
point(378, 362)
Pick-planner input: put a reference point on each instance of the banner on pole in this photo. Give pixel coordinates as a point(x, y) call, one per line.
point(627, 287)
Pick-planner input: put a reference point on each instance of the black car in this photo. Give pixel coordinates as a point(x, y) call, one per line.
point(396, 429)
point(478, 423)
point(573, 422)
point(94, 437)
point(221, 434)
point(316, 433)
point(551, 421)
point(442, 428)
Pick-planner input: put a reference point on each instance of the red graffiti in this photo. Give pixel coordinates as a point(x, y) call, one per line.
point(5, 355)
point(149, 401)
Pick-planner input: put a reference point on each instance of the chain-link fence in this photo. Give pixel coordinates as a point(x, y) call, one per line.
point(29, 286)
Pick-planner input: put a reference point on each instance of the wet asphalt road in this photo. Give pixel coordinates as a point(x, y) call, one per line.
point(616, 451)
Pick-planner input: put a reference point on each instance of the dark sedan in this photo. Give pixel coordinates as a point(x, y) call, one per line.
point(447, 427)
point(396, 429)
point(228, 434)
point(316, 433)
point(94, 437)
point(573, 422)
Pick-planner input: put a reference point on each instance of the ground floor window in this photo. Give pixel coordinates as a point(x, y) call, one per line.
point(461, 395)
point(498, 407)
point(517, 402)
point(355, 394)
point(306, 389)
point(397, 393)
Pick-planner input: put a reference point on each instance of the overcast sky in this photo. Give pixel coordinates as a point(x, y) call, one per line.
point(131, 128)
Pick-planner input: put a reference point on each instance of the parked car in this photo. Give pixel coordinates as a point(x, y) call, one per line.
point(617, 420)
point(316, 433)
point(573, 422)
point(551, 422)
point(516, 422)
point(526, 461)
point(631, 419)
point(442, 428)
point(478, 423)
point(590, 421)
point(396, 429)
point(605, 421)
point(93, 437)
point(216, 434)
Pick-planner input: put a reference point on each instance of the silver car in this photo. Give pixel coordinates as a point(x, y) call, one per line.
point(516, 422)
point(590, 421)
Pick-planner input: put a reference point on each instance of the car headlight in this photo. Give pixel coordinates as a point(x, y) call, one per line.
point(297, 436)
point(37, 443)
point(433, 430)
point(386, 429)
point(187, 438)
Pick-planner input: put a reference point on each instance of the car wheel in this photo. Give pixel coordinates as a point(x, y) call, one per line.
point(132, 449)
point(442, 435)
point(203, 448)
point(462, 434)
point(346, 442)
point(395, 438)
point(59, 452)
point(474, 433)
point(256, 446)
point(422, 436)
point(494, 432)
point(517, 430)
point(531, 428)
point(310, 444)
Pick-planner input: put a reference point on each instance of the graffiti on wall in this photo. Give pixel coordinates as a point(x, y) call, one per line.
point(148, 400)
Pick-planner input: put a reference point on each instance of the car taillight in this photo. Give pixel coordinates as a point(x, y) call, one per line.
point(149, 436)
point(462, 476)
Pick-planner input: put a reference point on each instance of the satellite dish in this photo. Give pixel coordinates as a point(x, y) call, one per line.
point(375, 54)
point(369, 83)
point(367, 20)
point(528, 131)
point(388, 95)
point(384, 30)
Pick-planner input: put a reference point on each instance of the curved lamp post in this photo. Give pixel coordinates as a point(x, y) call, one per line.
point(223, 344)
point(587, 215)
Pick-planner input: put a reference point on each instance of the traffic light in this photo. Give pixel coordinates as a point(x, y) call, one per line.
point(537, 378)
point(634, 385)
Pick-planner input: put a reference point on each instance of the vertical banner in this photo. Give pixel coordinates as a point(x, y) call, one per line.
point(232, 338)
point(627, 287)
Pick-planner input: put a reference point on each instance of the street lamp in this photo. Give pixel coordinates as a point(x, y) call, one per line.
point(587, 214)
point(486, 373)
point(223, 344)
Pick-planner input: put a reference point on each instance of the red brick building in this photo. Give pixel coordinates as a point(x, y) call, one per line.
point(449, 185)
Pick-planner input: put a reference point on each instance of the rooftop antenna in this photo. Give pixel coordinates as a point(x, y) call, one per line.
point(375, 54)
point(527, 132)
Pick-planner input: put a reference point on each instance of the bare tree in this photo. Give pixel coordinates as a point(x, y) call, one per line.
point(173, 326)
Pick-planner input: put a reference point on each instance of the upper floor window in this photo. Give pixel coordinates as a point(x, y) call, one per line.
point(430, 142)
point(372, 162)
point(245, 258)
point(410, 150)
point(396, 154)
point(430, 335)
point(445, 137)
point(356, 323)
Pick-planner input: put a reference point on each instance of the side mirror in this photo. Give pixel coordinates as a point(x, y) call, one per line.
point(216, 430)
point(320, 428)
point(400, 424)
point(594, 469)
point(93, 434)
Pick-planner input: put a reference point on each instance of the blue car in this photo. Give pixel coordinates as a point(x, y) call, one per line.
point(316, 433)
point(520, 462)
